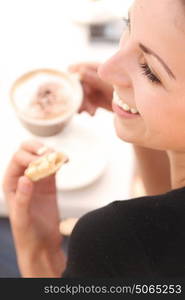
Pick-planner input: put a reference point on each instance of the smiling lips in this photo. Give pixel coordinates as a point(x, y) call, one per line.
point(117, 100)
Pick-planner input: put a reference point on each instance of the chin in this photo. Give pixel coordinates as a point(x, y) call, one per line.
point(132, 136)
point(124, 133)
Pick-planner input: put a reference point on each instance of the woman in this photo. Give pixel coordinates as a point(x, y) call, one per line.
point(138, 237)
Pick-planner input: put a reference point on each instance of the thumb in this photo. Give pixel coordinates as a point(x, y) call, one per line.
point(91, 77)
point(24, 193)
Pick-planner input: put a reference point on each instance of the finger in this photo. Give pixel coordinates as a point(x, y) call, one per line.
point(84, 65)
point(16, 168)
point(91, 109)
point(32, 146)
point(21, 159)
point(45, 186)
point(87, 89)
point(23, 199)
point(91, 78)
point(82, 108)
point(88, 107)
point(36, 147)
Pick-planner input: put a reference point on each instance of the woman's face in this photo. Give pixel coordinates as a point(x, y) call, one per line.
point(148, 74)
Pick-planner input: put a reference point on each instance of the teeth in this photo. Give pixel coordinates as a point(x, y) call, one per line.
point(124, 106)
point(134, 110)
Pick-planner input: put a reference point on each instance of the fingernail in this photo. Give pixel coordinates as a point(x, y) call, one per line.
point(42, 150)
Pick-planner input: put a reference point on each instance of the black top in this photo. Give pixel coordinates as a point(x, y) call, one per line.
point(132, 238)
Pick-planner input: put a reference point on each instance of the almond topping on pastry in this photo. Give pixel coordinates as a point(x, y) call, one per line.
point(45, 166)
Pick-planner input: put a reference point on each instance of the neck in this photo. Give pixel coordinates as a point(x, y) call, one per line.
point(177, 168)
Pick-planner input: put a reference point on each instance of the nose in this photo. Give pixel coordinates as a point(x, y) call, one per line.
point(115, 70)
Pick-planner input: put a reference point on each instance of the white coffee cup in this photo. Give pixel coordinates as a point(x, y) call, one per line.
point(27, 85)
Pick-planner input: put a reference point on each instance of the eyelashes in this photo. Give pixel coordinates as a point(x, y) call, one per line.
point(147, 72)
point(144, 67)
point(126, 21)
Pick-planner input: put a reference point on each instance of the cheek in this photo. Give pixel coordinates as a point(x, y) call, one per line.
point(154, 112)
point(164, 120)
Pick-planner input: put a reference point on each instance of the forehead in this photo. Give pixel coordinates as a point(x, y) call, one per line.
point(167, 7)
point(168, 13)
point(160, 25)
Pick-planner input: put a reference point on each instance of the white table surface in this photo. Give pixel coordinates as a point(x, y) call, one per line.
point(31, 42)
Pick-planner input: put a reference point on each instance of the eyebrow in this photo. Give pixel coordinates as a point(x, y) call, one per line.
point(150, 52)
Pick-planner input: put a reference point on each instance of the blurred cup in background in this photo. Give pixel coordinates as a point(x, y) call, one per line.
point(45, 100)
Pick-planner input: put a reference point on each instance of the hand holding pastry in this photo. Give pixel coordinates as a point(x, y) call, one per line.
point(34, 215)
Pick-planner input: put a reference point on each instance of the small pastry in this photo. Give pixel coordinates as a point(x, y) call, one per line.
point(45, 166)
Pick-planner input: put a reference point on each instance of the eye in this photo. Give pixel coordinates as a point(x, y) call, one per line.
point(147, 72)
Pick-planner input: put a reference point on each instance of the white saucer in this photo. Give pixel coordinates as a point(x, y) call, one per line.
point(87, 157)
